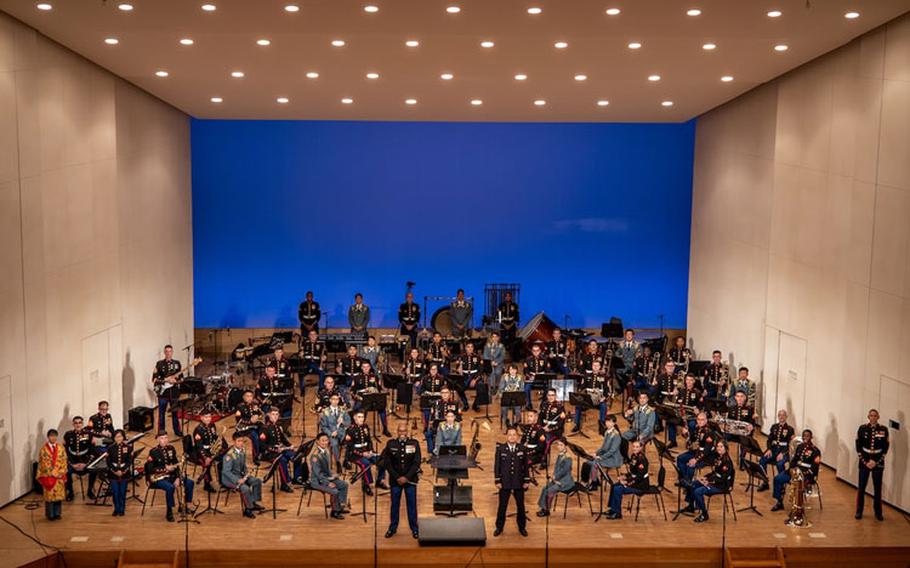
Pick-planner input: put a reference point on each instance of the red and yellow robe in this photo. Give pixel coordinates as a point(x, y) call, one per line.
point(52, 471)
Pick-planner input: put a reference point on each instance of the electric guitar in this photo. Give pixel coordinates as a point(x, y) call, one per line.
point(164, 383)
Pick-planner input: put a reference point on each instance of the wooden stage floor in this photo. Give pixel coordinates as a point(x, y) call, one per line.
point(89, 536)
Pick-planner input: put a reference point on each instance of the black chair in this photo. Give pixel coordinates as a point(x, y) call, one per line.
point(815, 488)
point(728, 494)
point(576, 491)
point(656, 490)
point(308, 491)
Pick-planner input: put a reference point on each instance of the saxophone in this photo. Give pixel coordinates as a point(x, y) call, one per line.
point(796, 494)
point(474, 447)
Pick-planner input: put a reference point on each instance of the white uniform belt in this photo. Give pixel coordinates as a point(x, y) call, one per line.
point(871, 451)
point(804, 464)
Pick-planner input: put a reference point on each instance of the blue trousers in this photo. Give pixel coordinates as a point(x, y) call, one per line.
point(163, 403)
point(616, 495)
point(696, 496)
point(682, 462)
point(602, 409)
point(529, 385)
point(168, 487)
point(253, 435)
point(410, 497)
point(366, 463)
point(780, 483)
point(118, 494)
point(312, 369)
point(779, 458)
point(431, 439)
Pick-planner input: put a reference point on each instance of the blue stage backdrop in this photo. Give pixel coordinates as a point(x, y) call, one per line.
point(592, 220)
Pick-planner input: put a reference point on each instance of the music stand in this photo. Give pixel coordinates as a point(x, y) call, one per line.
point(374, 403)
point(583, 400)
point(679, 488)
point(754, 471)
point(663, 453)
point(669, 416)
point(363, 495)
point(393, 382)
point(273, 474)
point(452, 464)
point(100, 499)
point(512, 399)
point(582, 455)
point(482, 387)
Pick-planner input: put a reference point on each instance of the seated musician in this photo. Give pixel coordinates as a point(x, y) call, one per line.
point(448, 433)
point(360, 452)
point(470, 366)
point(236, 476)
point(718, 480)
point(249, 420)
point(119, 464)
point(807, 459)
point(274, 444)
point(280, 362)
point(430, 387)
point(778, 448)
point(78, 445)
point(101, 426)
point(590, 355)
point(643, 419)
point(534, 365)
point(635, 482)
point(312, 351)
point(552, 417)
point(511, 382)
point(495, 353)
point(271, 392)
point(608, 455)
point(559, 482)
point(334, 421)
point(745, 385)
point(441, 406)
point(716, 378)
point(438, 354)
point(349, 365)
point(701, 443)
point(204, 437)
point(689, 401)
point(644, 370)
point(557, 353)
point(741, 412)
point(680, 354)
point(533, 437)
point(324, 395)
point(323, 479)
point(366, 382)
point(595, 385)
point(666, 386)
point(163, 471)
point(370, 352)
point(414, 367)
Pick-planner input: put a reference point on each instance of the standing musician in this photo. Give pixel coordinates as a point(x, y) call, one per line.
point(560, 482)
point(204, 437)
point(462, 313)
point(309, 313)
point(448, 433)
point(165, 376)
point(508, 318)
point(402, 457)
point(275, 444)
point(806, 458)
point(595, 384)
point(312, 351)
point(778, 448)
point(366, 382)
point(871, 446)
point(608, 455)
point(512, 477)
point(359, 315)
point(438, 354)
point(635, 482)
point(78, 445)
point(680, 354)
point(627, 350)
point(558, 353)
point(745, 385)
point(533, 437)
point(359, 444)
point(441, 406)
point(119, 463)
point(163, 471)
point(101, 426)
point(552, 417)
point(701, 444)
point(495, 353)
point(323, 479)
point(249, 420)
point(409, 319)
point(717, 377)
point(591, 354)
point(470, 366)
point(511, 382)
point(236, 477)
point(534, 365)
point(643, 419)
point(350, 364)
point(334, 421)
point(719, 480)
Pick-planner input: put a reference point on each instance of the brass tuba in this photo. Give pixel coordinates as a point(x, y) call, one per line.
point(796, 494)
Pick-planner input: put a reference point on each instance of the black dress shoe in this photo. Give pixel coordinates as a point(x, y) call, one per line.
point(415, 534)
point(90, 494)
point(170, 516)
point(367, 490)
point(382, 486)
point(337, 515)
point(762, 487)
point(879, 517)
point(248, 513)
point(386, 433)
point(543, 513)
point(286, 488)
point(613, 516)
point(497, 532)
point(115, 514)
point(389, 533)
point(702, 517)
point(688, 510)
point(69, 496)
point(523, 532)
point(258, 507)
point(777, 506)
point(209, 489)
point(858, 516)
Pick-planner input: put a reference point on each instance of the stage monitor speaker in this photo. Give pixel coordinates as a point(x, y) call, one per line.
point(483, 394)
point(443, 499)
point(140, 419)
point(445, 531)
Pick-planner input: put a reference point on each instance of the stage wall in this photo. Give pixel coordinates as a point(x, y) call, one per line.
point(591, 219)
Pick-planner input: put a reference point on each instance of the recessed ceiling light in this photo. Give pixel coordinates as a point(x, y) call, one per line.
point(338, 42)
point(237, 74)
point(534, 10)
point(453, 9)
point(540, 102)
point(487, 44)
point(667, 103)
point(561, 45)
point(727, 78)
point(521, 77)
point(476, 102)
point(447, 76)
point(312, 75)
point(372, 75)
point(292, 8)
point(635, 45)
point(851, 15)
point(693, 12)
point(263, 42)
point(209, 7)
point(412, 43)
point(125, 7)
point(186, 41)
point(111, 41)
point(371, 8)
point(347, 101)
point(603, 103)
point(282, 100)
point(709, 46)
point(781, 47)
point(581, 77)
point(653, 78)
point(410, 101)
point(161, 73)
point(217, 99)
point(613, 11)
point(44, 6)
point(775, 14)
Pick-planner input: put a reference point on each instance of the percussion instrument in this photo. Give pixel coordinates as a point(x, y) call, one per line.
point(734, 427)
point(441, 321)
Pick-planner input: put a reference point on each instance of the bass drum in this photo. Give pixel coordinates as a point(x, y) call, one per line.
point(441, 321)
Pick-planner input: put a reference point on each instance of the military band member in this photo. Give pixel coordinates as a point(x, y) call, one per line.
point(667, 381)
point(495, 353)
point(717, 377)
point(324, 395)
point(559, 482)
point(309, 313)
point(249, 421)
point(78, 445)
point(448, 433)
point(558, 353)
point(365, 383)
point(512, 477)
point(414, 366)
point(627, 350)
point(371, 353)
point(51, 474)
point(807, 459)
point(701, 446)
point(204, 437)
point(643, 419)
point(312, 351)
point(470, 366)
point(778, 448)
point(431, 387)
point(443, 405)
point(608, 455)
point(438, 354)
point(101, 426)
point(534, 365)
point(280, 362)
point(462, 313)
point(745, 385)
point(402, 457)
point(591, 354)
point(272, 392)
point(275, 445)
point(163, 469)
point(689, 400)
point(235, 476)
point(409, 319)
point(552, 417)
point(645, 370)
point(334, 422)
point(871, 446)
point(359, 444)
point(680, 354)
point(119, 463)
point(635, 482)
point(597, 386)
point(741, 412)
point(350, 364)
point(511, 382)
point(533, 437)
point(508, 318)
point(359, 315)
point(165, 376)
point(323, 479)
point(719, 480)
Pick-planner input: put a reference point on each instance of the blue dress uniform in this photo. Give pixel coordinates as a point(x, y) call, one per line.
point(779, 445)
point(438, 353)
point(596, 381)
point(495, 354)
point(533, 366)
point(408, 320)
point(871, 444)
point(533, 439)
point(204, 437)
point(743, 414)
point(470, 366)
point(363, 382)
point(608, 455)
point(334, 421)
point(807, 458)
point(561, 481)
point(78, 446)
point(511, 474)
point(166, 368)
point(716, 380)
point(643, 420)
point(359, 442)
point(246, 425)
point(275, 445)
point(402, 458)
point(312, 352)
point(720, 480)
point(508, 318)
point(350, 367)
point(557, 352)
point(159, 458)
point(553, 417)
point(636, 483)
point(702, 441)
point(233, 469)
point(308, 313)
point(447, 436)
point(321, 476)
point(119, 460)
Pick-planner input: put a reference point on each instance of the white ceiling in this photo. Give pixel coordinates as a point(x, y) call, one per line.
point(225, 41)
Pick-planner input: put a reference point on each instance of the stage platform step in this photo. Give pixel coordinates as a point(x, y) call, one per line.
point(147, 559)
point(756, 558)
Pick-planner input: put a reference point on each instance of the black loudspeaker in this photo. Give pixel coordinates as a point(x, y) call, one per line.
point(404, 393)
point(459, 531)
point(443, 500)
point(483, 394)
point(140, 419)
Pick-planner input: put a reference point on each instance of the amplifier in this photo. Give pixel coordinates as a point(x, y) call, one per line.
point(140, 419)
point(443, 499)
